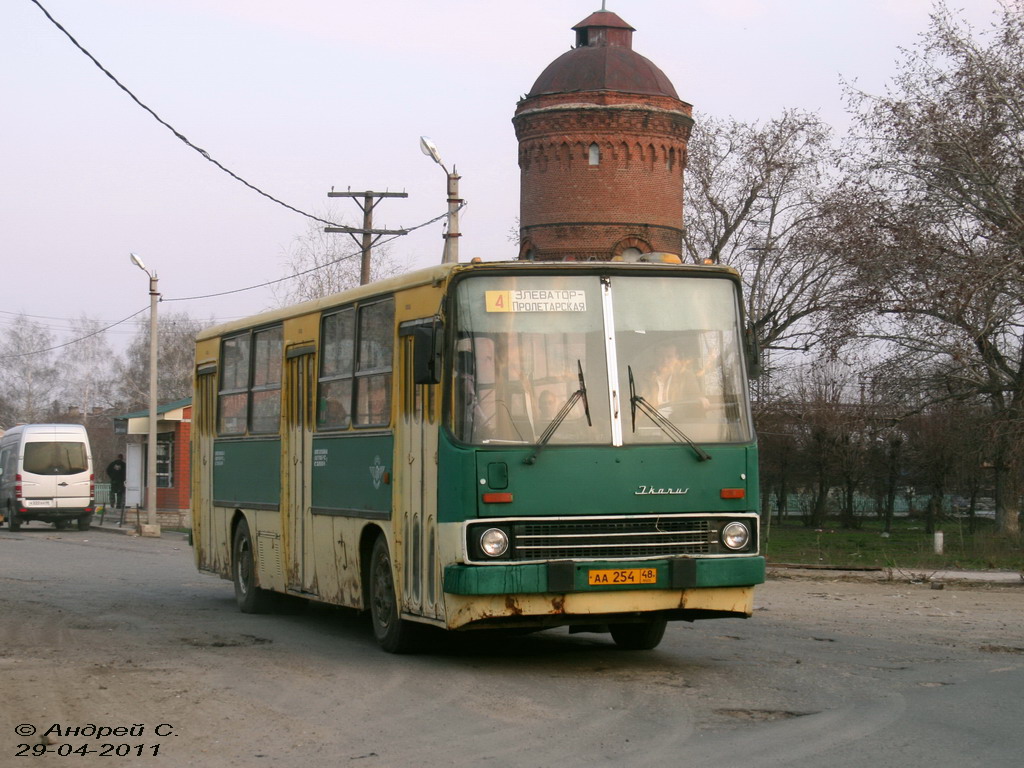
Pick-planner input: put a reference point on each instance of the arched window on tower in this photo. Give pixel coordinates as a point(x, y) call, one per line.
point(595, 154)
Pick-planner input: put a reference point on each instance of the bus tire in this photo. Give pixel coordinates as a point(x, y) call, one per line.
point(393, 634)
point(639, 637)
point(250, 598)
point(12, 520)
point(85, 523)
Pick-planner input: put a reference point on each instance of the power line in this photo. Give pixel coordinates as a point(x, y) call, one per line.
point(73, 341)
point(37, 317)
point(229, 172)
point(206, 155)
point(312, 269)
point(213, 295)
point(8, 324)
point(65, 324)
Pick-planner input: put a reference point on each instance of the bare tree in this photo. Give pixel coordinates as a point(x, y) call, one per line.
point(934, 226)
point(885, 464)
point(754, 201)
point(778, 436)
point(176, 356)
point(831, 429)
point(28, 376)
point(87, 367)
point(322, 263)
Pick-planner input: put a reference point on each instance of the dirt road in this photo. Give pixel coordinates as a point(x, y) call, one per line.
point(122, 633)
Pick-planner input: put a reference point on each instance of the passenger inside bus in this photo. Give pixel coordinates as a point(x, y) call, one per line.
point(377, 401)
point(674, 384)
point(333, 413)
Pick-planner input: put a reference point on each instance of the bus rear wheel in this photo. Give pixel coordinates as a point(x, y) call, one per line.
point(250, 598)
point(392, 633)
point(639, 637)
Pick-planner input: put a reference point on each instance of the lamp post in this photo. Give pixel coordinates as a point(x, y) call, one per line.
point(152, 526)
point(451, 238)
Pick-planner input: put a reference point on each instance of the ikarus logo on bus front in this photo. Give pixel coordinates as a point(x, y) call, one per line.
point(648, 490)
point(377, 472)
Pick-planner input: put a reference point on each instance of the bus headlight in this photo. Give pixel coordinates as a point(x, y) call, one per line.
point(736, 536)
point(494, 542)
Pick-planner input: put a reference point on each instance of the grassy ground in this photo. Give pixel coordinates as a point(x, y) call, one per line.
point(908, 546)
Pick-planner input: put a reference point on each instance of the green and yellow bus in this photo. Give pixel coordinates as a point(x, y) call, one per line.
point(489, 445)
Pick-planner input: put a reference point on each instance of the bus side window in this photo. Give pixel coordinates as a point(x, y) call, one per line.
point(233, 405)
point(426, 354)
point(336, 362)
point(377, 400)
point(266, 380)
point(375, 350)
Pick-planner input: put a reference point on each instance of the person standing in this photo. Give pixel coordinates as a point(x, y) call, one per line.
point(117, 472)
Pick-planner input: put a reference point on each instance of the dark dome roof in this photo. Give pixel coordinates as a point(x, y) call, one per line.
point(603, 68)
point(603, 60)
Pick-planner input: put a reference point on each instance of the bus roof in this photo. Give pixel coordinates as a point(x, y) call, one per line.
point(441, 273)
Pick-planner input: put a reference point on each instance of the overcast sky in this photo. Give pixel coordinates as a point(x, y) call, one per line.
point(300, 96)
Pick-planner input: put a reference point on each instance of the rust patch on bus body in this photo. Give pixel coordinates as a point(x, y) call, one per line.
point(212, 563)
point(512, 606)
point(558, 604)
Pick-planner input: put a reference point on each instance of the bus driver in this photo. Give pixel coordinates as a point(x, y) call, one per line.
point(673, 383)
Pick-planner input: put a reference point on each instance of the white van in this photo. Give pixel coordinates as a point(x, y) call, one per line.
point(46, 474)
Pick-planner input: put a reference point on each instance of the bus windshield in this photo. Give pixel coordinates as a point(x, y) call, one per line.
point(521, 342)
point(519, 346)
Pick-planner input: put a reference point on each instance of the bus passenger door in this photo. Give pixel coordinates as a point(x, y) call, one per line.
point(298, 439)
point(417, 450)
point(204, 428)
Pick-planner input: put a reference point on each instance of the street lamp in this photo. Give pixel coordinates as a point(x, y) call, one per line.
point(152, 526)
point(451, 238)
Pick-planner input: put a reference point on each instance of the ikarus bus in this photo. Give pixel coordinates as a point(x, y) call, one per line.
point(491, 445)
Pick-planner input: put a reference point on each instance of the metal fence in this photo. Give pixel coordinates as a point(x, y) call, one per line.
point(102, 493)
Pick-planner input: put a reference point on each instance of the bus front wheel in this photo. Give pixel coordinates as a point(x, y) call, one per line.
point(392, 633)
point(639, 637)
point(250, 598)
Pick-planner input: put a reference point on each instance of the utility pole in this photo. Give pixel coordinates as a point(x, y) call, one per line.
point(152, 527)
point(370, 235)
point(451, 237)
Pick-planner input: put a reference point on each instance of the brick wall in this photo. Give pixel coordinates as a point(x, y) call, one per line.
point(571, 208)
point(177, 497)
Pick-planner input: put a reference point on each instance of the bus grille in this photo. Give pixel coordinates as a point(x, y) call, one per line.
point(613, 539)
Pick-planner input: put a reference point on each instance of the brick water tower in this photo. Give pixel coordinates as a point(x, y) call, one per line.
point(602, 149)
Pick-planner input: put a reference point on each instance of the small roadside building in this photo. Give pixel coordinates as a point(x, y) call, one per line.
point(173, 459)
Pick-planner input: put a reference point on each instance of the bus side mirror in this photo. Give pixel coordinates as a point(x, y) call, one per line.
point(426, 353)
point(754, 367)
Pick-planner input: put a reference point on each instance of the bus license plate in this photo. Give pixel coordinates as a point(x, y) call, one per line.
point(623, 576)
point(38, 502)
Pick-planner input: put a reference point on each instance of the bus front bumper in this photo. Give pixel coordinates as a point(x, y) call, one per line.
point(559, 593)
point(566, 576)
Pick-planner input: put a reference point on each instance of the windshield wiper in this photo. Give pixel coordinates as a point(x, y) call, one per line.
point(563, 412)
point(637, 402)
